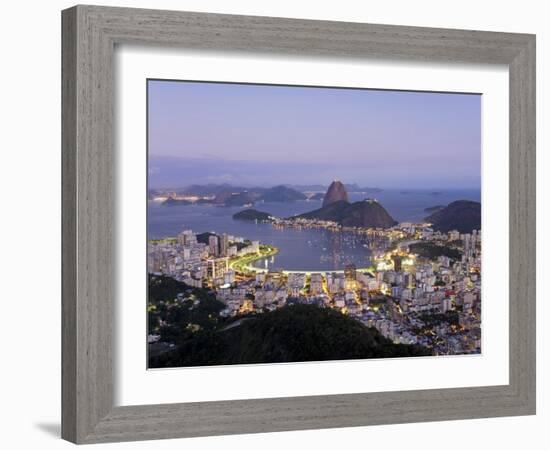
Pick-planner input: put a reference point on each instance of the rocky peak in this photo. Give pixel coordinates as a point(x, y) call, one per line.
point(336, 193)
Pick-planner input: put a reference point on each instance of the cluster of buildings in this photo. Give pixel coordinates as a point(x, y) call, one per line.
point(431, 301)
point(198, 260)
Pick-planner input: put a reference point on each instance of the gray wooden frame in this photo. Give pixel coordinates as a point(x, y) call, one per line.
point(89, 36)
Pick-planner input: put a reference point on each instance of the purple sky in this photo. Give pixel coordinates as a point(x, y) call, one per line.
point(266, 135)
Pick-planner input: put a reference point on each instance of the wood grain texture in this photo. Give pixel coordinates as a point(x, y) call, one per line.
point(68, 225)
point(89, 36)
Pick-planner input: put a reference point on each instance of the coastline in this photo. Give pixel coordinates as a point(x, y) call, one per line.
point(242, 264)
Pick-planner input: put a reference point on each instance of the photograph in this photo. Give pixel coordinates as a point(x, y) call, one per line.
point(290, 224)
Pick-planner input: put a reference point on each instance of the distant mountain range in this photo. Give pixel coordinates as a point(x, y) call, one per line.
point(461, 215)
point(213, 189)
point(227, 195)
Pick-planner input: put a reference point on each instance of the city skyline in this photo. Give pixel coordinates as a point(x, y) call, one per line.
point(261, 135)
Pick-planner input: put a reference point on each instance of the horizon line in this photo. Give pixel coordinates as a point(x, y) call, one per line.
point(251, 186)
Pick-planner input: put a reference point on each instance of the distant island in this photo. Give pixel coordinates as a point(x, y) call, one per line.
point(461, 215)
point(253, 215)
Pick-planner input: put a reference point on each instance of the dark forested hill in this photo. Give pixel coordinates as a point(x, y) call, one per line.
point(289, 334)
point(461, 215)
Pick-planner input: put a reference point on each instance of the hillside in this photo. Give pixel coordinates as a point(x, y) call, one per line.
point(461, 215)
point(169, 316)
point(333, 212)
point(433, 209)
point(290, 334)
point(366, 213)
point(433, 251)
point(204, 238)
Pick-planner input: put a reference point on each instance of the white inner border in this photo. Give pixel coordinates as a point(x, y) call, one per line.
point(135, 385)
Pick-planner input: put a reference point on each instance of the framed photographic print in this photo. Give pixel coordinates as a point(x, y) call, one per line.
point(279, 224)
